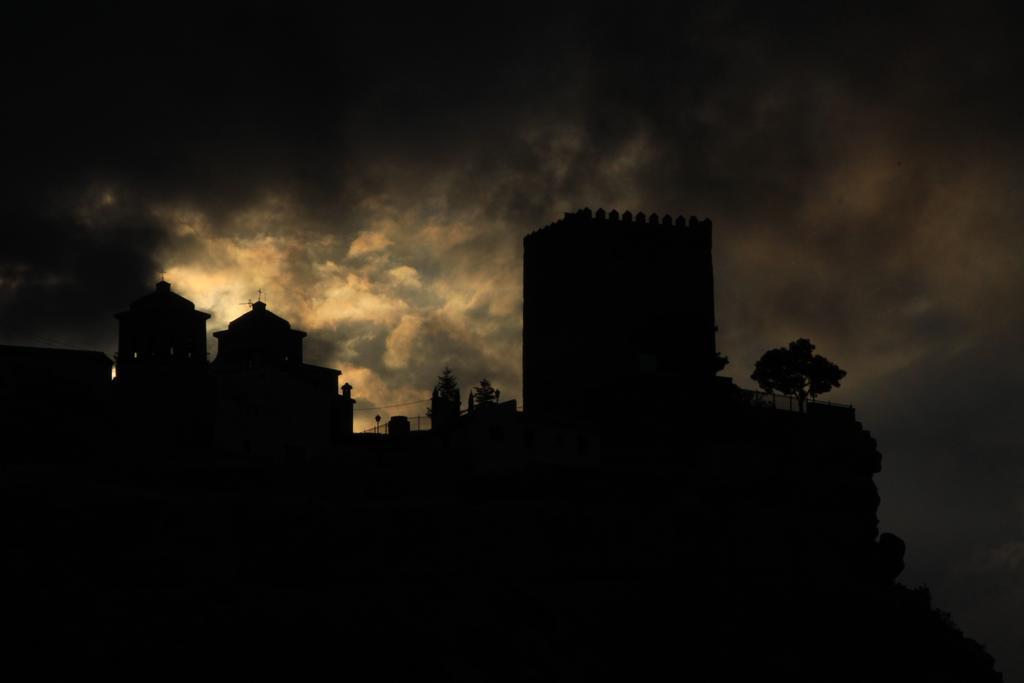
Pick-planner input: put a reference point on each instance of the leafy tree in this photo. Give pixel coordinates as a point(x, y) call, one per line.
point(485, 393)
point(447, 388)
point(796, 371)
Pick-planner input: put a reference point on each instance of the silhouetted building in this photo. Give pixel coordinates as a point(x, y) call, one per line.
point(616, 303)
point(66, 375)
point(162, 385)
point(444, 411)
point(160, 335)
point(345, 414)
point(399, 426)
point(53, 395)
point(268, 400)
point(498, 437)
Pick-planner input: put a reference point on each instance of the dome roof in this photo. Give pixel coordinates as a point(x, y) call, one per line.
point(162, 299)
point(260, 319)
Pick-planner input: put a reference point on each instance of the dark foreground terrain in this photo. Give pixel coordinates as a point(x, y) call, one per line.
point(751, 551)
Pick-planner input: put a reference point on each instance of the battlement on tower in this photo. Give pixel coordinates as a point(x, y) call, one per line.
point(695, 229)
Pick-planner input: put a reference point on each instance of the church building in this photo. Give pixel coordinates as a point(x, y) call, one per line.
point(257, 397)
point(268, 400)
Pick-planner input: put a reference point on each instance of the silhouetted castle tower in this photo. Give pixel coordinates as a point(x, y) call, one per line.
point(160, 333)
point(615, 304)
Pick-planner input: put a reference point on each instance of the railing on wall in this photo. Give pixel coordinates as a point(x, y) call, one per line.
point(751, 397)
point(761, 399)
point(418, 423)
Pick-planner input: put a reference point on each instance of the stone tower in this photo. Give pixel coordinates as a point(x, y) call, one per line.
point(162, 389)
point(614, 305)
point(160, 333)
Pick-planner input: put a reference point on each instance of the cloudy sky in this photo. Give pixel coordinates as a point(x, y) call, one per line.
point(374, 175)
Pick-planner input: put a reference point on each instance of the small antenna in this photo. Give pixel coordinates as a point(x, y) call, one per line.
point(259, 299)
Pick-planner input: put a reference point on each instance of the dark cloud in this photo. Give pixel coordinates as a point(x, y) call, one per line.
point(375, 172)
point(63, 275)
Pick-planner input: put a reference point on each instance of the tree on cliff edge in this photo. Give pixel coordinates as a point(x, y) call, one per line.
point(796, 371)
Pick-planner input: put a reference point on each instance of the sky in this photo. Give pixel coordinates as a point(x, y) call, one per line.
point(373, 173)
